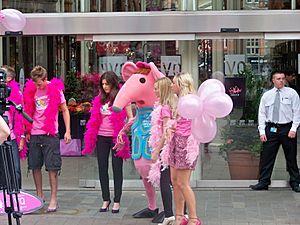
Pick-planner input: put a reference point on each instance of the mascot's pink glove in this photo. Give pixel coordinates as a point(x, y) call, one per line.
point(120, 143)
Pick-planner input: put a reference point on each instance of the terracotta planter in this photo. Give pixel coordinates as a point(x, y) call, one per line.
point(242, 165)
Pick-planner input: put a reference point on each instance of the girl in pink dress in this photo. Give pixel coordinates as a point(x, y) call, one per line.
point(183, 154)
point(160, 118)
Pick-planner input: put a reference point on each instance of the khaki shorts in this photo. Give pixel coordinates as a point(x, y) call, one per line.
point(44, 149)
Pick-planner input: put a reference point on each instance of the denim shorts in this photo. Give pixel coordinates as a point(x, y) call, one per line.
point(44, 149)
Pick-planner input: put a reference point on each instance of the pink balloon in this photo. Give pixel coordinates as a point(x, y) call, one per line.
point(218, 105)
point(204, 128)
point(13, 20)
point(209, 87)
point(189, 106)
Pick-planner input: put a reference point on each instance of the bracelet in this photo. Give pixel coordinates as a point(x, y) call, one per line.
point(22, 136)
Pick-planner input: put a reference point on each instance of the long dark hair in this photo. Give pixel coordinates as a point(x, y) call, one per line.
point(113, 80)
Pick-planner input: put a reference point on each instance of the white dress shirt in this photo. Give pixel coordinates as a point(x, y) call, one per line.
point(289, 108)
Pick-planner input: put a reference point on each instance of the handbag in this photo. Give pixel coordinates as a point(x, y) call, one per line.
point(71, 149)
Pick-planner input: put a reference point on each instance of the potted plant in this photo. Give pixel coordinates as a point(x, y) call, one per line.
point(73, 86)
point(80, 89)
point(241, 149)
point(242, 145)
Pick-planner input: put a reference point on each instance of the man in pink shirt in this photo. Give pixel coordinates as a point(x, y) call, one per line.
point(43, 99)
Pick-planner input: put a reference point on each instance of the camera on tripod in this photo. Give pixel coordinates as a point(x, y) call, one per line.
point(4, 93)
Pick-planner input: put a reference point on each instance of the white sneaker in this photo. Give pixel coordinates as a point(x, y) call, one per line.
point(168, 221)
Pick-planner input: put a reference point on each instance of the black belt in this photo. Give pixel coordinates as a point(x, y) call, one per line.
point(278, 125)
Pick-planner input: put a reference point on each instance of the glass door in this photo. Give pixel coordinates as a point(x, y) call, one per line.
point(244, 66)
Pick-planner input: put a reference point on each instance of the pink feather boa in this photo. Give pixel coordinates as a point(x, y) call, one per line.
point(156, 127)
point(54, 88)
point(192, 149)
point(154, 139)
point(16, 97)
point(118, 121)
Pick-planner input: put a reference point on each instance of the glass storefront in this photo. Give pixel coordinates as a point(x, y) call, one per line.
point(247, 66)
point(51, 6)
point(244, 65)
point(243, 61)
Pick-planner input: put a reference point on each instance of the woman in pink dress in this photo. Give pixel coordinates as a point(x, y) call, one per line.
point(183, 154)
point(160, 119)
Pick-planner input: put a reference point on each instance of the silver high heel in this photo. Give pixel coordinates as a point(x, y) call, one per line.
point(168, 221)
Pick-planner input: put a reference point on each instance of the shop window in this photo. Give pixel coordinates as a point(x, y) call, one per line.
point(298, 4)
point(279, 4)
point(127, 6)
point(46, 6)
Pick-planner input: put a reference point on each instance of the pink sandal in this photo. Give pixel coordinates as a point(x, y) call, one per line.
point(197, 220)
point(183, 219)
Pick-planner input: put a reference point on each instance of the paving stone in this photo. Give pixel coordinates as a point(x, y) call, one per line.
point(214, 207)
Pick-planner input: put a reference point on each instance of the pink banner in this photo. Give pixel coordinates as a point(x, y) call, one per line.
point(28, 203)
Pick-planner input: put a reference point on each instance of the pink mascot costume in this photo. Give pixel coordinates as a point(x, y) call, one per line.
point(139, 88)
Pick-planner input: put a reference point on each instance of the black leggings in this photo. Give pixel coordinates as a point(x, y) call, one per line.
point(104, 147)
point(166, 192)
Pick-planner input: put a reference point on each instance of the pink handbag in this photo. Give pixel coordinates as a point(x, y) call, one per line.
point(71, 149)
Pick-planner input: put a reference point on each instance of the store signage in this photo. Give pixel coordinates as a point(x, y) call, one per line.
point(235, 87)
point(170, 65)
point(234, 64)
point(112, 47)
point(28, 203)
point(112, 63)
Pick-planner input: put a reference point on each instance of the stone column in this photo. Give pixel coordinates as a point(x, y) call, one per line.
point(84, 56)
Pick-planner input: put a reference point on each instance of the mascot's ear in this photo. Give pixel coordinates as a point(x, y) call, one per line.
point(155, 72)
point(128, 69)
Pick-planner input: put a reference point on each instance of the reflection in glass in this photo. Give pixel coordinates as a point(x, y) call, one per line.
point(253, 59)
point(279, 4)
point(52, 6)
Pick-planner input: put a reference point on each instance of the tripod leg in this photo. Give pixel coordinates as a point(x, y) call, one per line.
point(7, 210)
point(10, 184)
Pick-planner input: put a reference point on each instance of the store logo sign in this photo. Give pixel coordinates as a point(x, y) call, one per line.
point(234, 64)
point(28, 203)
point(234, 91)
point(170, 65)
point(112, 63)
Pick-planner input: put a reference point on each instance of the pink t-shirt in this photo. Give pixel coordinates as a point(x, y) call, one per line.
point(41, 103)
point(183, 126)
point(10, 120)
point(165, 111)
point(106, 128)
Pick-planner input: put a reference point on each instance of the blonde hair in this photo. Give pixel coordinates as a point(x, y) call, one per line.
point(166, 95)
point(185, 83)
point(38, 72)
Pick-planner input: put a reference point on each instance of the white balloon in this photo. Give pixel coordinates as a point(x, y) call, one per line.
point(210, 87)
point(189, 106)
point(204, 128)
point(218, 105)
point(13, 20)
